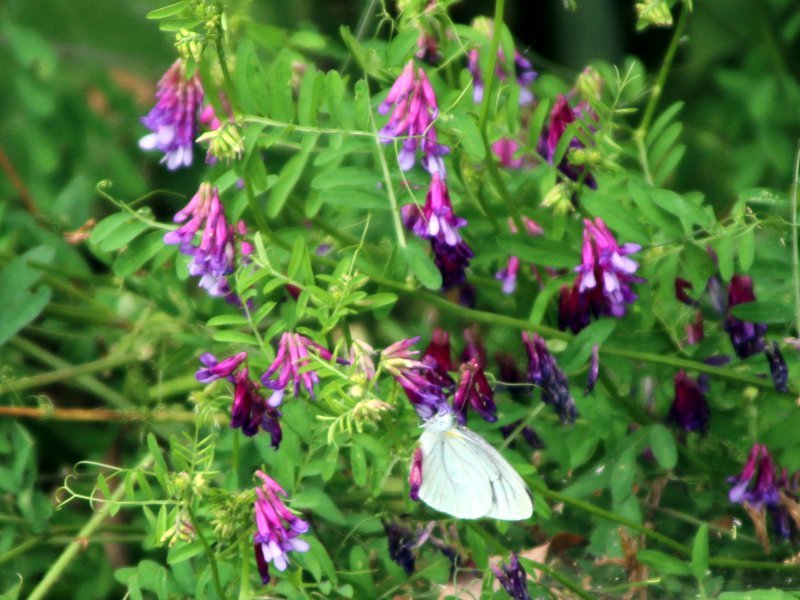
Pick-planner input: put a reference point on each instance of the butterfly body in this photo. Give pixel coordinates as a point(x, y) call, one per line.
point(464, 476)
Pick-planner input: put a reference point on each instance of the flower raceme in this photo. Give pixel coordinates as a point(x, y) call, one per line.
point(421, 380)
point(437, 222)
point(214, 257)
point(415, 109)
point(249, 411)
point(513, 578)
point(474, 390)
point(173, 119)
point(277, 528)
point(689, 410)
point(561, 116)
point(603, 286)
point(293, 355)
point(545, 373)
point(747, 338)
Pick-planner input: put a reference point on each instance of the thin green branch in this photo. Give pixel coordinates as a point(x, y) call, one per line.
point(55, 572)
point(208, 552)
point(795, 248)
point(494, 47)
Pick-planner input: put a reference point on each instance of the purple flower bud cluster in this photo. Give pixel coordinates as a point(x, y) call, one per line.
point(603, 285)
point(764, 485)
point(249, 411)
point(277, 528)
point(415, 109)
point(213, 258)
point(474, 390)
point(523, 74)
point(561, 116)
point(402, 544)
point(173, 119)
point(689, 410)
point(747, 338)
point(437, 223)
point(545, 374)
point(290, 365)
point(513, 578)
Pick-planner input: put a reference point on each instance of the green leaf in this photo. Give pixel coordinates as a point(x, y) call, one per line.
point(539, 251)
point(23, 308)
point(747, 249)
point(354, 198)
point(168, 11)
point(616, 214)
point(468, 134)
point(235, 337)
point(138, 253)
point(290, 174)
point(222, 320)
point(106, 226)
point(622, 475)
point(184, 552)
point(345, 177)
point(159, 466)
point(310, 96)
point(663, 446)
point(358, 464)
point(423, 267)
point(759, 595)
point(763, 312)
point(579, 348)
point(663, 563)
point(724, 249)
point(700, 553)
point(334, 93)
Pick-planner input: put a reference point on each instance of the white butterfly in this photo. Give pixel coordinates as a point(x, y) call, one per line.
point(462, 475)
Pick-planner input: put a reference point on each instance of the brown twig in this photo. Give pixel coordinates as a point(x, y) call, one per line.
point(19, 185)
point(100, 414)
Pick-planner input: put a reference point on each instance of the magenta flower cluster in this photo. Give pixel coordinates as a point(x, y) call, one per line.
point(173, 119)
point(277, 528)
point(214, 257)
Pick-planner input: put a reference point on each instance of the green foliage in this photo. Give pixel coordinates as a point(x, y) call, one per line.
point(101, 314)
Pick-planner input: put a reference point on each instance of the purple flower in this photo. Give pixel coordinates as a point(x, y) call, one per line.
point(402, 543)
point(292, 357)
point(474, 390)
point(574, 308)
point(747, 338)
point(689, 410)
point(606, 273)
point(437, 222)
point(561, 116)
point(213, 259)
point(509, 275)
point(415, 109)
point(777, 367)
point(277, 528)
point(523, 74)
point(594, 370)
point(173, 120)
point(756, 483)
point(681, 285)
point(695, 331)
point(438, 351)
point(250, 411)
point(545, 373)
point(415, 475)
point(215, 369)
point(423, 390)
point(513, 578)
point(474, 348)
point(505, 149)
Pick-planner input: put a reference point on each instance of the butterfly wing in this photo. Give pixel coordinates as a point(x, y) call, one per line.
point(511, 500)
point(456, 478)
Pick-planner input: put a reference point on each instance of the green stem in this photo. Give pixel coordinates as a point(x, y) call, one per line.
point(57, 569)
point(387, 180)
point(82, 377)
point(173, 387)
point(209, 554)
point(500, 185)
point(716, 561)
point(494, 47)
point(244, 554)
point(795, 248)
point(658, 88)
point(562, 579)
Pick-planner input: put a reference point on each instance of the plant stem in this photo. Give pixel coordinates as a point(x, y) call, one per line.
point(103, 415)
point(387, 180)
point(795, 249)
point(57, 569)
point(494, 46)
point(209, 554)
point(658, 88)
point(83, 379)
